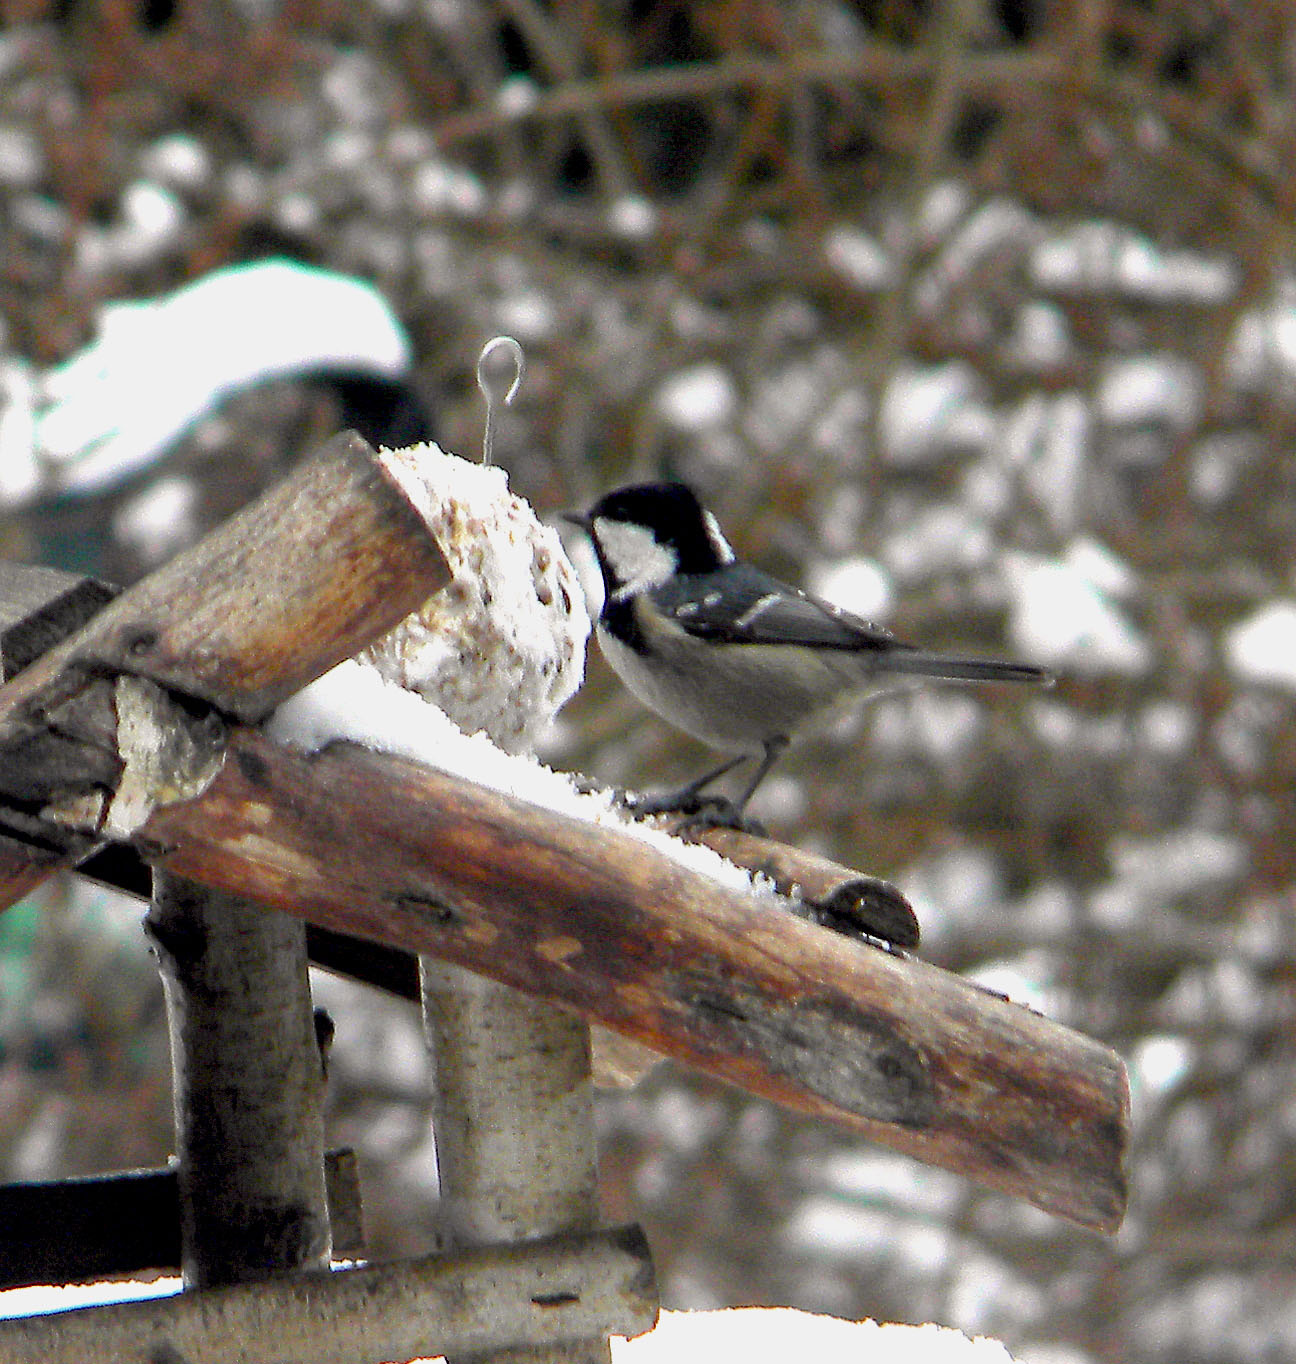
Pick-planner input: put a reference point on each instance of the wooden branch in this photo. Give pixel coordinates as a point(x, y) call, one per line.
point(248, 1083)
point(818, 890)
point(24, 865)
point(305, 576)
point(821, 890)
point(558, 1289)
point(513, 1117)
point(908, 1055)
point(320, 566)
point(41, 606)
point(73, 1229)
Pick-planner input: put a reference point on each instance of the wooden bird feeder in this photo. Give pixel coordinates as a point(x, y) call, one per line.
point(129, 746)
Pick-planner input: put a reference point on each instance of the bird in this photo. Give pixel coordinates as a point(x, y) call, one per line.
point(728, 653)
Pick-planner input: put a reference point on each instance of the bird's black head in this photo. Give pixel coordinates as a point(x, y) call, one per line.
point(646, 533)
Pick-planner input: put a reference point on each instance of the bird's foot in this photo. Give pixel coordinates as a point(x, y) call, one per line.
point(697, 811)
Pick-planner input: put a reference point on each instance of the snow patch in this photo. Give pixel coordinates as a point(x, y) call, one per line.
point(774, 1335)
point(1102, 257)
point(1150, 391)
point(1064, 613)
point(857, 257)
point(928, 414)
point(1262, 648)
point(157, 366)
point(855, 583)
point(697, 399)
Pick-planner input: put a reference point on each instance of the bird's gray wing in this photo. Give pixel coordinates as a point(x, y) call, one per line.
point(742, 605)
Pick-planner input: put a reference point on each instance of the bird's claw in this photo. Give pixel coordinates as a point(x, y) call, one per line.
point(697, 810)
point(720, 813)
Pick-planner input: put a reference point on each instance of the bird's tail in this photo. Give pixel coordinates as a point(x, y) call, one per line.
point(918, 662)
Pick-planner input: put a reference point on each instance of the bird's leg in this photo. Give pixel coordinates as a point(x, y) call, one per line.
point(688, 800)
point(773, 752)
point(719, 812)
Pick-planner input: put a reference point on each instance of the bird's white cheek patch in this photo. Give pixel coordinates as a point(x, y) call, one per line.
point(638, 560)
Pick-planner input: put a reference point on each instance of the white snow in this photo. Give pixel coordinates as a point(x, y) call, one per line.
point(632, 216)
point(40, 1298)
point(157, 521)
point(1150, 390)
point(20, 470)
point(159, 365)
point(1040, 339)
point(1157, 1063)
point(21, 160)
point(777, 1335)
point(697, 399)
point(1167, 728)
point(839, 430)
point(1048, 438)
point(857, 257)
point(516, 96)
point(1177, 863)
point(925, 723)
point(927, 414)
point(868, 1173)
point(784, 402)
point(1101, 257)
point(439, 187)
point(1064, 613)
point(1100, 566)
point(1262, 648)
point(938, 214)
point(177, 159)
point(855, 583)
point(864, 1232)
point(527, 314)
point(1218, 461)
point(150, 215)
point(944, 537)
point(991, 241)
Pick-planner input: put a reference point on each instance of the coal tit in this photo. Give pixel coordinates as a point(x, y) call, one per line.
point(728, 653)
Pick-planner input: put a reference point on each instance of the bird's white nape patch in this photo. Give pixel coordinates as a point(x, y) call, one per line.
point(637, 559)
point(722, 547)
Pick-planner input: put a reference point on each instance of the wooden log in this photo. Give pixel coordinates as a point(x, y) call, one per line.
point(41, 606)
point(248, 1083)
point(821, 890)
point(25, 865)
point(513, 1117)
point(907, 1055)
point(559, 1289)
point(72, 1229)
point(311, 572)
point(38, 608)
point(305, 576)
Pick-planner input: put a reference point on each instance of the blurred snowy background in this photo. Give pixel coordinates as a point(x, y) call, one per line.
point(976, 315)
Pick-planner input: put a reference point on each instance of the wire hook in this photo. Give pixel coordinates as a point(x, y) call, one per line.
point(500, 366)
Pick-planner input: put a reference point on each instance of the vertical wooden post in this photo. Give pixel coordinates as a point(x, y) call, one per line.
point(248, 1085)
point(514, 1120)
